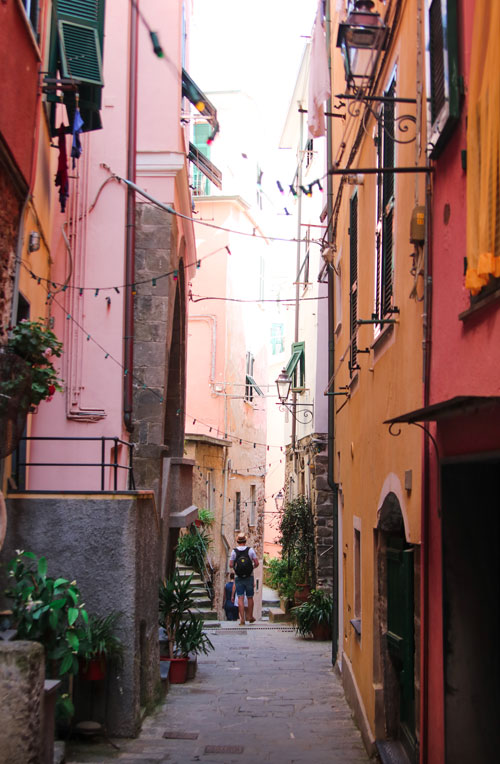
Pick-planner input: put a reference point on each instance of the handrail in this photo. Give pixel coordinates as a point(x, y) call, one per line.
point(207, 573)
point(102, 464)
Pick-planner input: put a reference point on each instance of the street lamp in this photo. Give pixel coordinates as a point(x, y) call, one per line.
point(359, 35)
point(301, 412)
point(279, 500)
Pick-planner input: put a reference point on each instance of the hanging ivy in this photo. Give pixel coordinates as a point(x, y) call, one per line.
point(297, 536)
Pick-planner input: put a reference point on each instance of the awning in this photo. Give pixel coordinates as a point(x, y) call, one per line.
point(192, 92)
point(205, 166)
point(461, 405)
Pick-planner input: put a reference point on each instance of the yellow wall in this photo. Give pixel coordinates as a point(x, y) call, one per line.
point(368, 460)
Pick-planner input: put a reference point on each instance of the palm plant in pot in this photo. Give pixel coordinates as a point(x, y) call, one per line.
point(314, 617)
point(176, 616)
point(99, 645)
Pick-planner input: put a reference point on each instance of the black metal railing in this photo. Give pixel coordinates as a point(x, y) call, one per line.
point(20, 461)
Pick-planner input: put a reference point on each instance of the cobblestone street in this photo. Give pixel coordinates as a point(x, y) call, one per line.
point(263, 695)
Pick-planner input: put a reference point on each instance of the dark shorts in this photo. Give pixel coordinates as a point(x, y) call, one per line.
point(244, 586)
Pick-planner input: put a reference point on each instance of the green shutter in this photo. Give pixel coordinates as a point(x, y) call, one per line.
point(388, 192)
point(353, 281)
point(295, 367)
point(442, 72)
point(80, 26)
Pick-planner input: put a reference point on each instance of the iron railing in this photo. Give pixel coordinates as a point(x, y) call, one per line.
point(20, 463)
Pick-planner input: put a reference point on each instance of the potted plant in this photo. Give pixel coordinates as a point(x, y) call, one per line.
point(176, 616)
point(205, 517)
point(191, 642)
point(297, 544)
point(315, 615)
point(192, 548)
point(36, 344)
point(99, 645)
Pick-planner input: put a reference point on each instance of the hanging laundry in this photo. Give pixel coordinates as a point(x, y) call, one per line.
point(319, 77)
point(76, 148)
point(62, 168)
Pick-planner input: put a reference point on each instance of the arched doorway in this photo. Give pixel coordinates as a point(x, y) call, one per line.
point(395, 613)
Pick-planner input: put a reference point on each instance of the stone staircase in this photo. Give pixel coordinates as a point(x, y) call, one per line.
point(202, 600)
point(271, 610)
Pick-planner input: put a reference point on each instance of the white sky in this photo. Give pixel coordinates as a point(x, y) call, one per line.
point(252, 46)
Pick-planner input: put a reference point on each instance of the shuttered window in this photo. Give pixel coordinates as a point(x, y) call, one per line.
point(353, 282)
point(76, 53)
point(384, 243)
point(202, 132)
point(296, 366)
point(442, 72)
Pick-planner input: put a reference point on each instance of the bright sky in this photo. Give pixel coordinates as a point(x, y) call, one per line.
point(253, 46)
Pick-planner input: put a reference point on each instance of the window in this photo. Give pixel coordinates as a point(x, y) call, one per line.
point(483, 135)
point(251, 385)
point(357, 573)
point(253, 506)
point(295, 367)
point(384, 276)
point(31, 8)
point(201, 183)
point(309, 152)
point(443, 103)
point(277, 338)
point(76, 53)
point(210, 490)
point(237, 511)
point(353, 283)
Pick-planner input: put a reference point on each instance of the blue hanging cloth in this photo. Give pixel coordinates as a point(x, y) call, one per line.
point(76, 148)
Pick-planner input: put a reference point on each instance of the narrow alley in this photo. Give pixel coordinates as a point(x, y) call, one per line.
point(264, 694)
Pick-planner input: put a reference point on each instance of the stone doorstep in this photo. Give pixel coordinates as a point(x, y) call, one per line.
point(277, 615)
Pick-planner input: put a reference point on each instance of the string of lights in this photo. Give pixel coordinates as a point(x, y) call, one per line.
point(140, 383)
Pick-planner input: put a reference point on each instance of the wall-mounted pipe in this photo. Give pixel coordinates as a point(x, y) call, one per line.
point(128, 337)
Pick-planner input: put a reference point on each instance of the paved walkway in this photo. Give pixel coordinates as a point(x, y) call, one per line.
point(264, 692)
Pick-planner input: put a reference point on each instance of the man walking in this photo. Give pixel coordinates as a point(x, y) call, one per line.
point(243, 560)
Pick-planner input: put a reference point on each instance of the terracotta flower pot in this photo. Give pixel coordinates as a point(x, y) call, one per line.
point(93, 669)
point(178, 670)
point(302, 593)
point(321, 631)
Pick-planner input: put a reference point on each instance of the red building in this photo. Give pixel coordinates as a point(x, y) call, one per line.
point(461, 413)
point(19, 93)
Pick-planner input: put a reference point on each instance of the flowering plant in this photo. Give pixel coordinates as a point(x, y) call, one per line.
point(36, 344)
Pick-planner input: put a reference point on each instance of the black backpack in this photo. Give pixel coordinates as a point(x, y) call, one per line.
point(243, 565)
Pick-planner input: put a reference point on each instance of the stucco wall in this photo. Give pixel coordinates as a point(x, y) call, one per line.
point(110, 546)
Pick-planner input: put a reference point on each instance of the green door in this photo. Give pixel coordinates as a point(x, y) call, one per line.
point(400, 633)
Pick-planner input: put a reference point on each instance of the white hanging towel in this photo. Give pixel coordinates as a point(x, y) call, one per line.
point(319, 77)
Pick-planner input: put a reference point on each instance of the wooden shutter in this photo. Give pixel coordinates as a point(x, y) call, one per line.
point(442, 72)
point(388, 191)
point(353, 281)
point(80, 27)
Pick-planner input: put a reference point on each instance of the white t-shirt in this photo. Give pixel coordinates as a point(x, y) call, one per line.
point(240, 548)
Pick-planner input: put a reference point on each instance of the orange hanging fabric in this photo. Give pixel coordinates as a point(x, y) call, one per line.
point(483, 149)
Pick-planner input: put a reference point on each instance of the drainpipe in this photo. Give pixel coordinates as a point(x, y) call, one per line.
point(331, 366)
point(128, 338)
point(425, 505)
point(297, 270)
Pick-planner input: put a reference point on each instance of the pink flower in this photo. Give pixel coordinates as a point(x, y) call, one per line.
point(47, 352)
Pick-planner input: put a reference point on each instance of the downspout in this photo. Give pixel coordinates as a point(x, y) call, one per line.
point(128, 338)
point(297, 269)
point(331, 364)
point(424, 566)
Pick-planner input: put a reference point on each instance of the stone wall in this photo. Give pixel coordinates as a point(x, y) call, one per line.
point(22, 674)
point(10, 209)
point(110, 545)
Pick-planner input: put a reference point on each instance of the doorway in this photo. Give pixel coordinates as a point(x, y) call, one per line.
point(471, 613)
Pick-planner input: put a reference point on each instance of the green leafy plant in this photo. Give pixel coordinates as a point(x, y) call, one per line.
point(191, 639)
point(318, 610)
point(47, 610)
point(297, 537)
point(206, 516)
point(99, 639)
point(284, 577)
point(36, 344)
point(192, 548)
point(176, 605)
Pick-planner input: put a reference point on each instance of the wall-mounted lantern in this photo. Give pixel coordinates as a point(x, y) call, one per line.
point(362, 33)
point(301, 412)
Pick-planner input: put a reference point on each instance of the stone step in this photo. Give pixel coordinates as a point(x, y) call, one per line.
point(277, 615)
point(206, 614)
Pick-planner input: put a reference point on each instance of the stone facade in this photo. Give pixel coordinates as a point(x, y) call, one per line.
point(312, 458)
point(110, 545)
point(22, 673)
point(9, 230)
